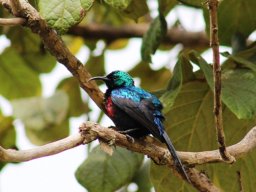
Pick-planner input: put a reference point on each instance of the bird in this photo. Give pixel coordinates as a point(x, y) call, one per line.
point(136, 112)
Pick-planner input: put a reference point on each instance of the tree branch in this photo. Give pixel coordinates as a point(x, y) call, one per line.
point(214, 43)
point(148, 146)
point(12, 21)
point(110, 33)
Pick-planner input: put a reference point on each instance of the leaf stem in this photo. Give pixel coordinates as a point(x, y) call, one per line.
point(214, 43)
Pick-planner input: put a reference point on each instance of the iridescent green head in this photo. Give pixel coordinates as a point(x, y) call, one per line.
point(116, 79)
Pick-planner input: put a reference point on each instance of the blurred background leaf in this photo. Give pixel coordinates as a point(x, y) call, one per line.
point(151, 79)
point(7, 134)
point(19, 80)
point(101, 172)
point(76, 105)
point(44, 118)
point(153, 37)
point(31, 49)
point(229, 25)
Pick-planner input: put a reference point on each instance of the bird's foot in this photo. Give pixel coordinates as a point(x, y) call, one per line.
point(128, 131)
point(112, 127)
point(130, 138)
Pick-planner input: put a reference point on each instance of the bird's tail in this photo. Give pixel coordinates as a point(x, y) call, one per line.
point(175, 157)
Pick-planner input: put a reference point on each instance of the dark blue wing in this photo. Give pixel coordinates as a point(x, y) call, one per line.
point(146, 109)
point(141, 106)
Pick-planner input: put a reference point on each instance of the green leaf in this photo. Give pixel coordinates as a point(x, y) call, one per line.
point(181, 74)
point(19, 80)
point(153, 38)
point(95, 65)
point(104, 173)
point(44, 118)
point(151, 80)
point(7, 134)
point(245, 58)
point(133, 9)
point(233, 21)
point(38, 113)
point(117, 4)
point(49, 134)
point(238, 88)
point(105, 14)
point(141, 178)
point(136, 9)
point(76, 105)
point(61, 15)
point(31, 49)
point(166, 5)
point(204, 66)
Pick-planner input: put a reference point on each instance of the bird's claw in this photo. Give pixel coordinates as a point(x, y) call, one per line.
point(130, 138)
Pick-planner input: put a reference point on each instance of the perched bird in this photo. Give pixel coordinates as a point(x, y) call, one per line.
point(136, 112)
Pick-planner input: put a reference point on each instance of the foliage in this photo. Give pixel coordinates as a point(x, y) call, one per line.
point(186, 94)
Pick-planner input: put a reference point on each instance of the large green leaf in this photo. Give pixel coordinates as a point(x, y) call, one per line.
point(61, 15)
point(30, 47)
point(232, 21)
point(238, 88)
point(76, 105)
point(153, 37)
point(7, 134)
point(104, 173)
point(190, 124)
point(44, 118)
point(18, 80)
point(151, 80)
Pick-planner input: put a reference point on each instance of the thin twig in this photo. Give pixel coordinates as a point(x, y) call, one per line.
point(214, 43)
point(12, 21)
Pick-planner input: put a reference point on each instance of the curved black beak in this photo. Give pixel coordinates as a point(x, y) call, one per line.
point(105, 79)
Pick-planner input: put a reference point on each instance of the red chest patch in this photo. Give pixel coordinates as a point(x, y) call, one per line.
point(110, 107)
